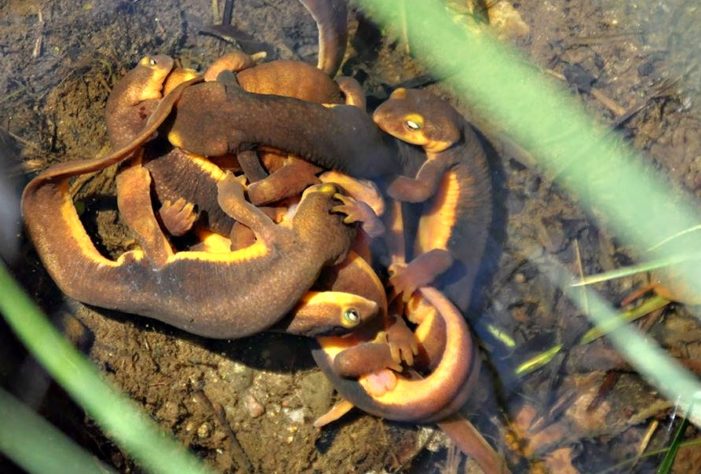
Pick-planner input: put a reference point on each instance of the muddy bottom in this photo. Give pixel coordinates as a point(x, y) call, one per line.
point(248, 405)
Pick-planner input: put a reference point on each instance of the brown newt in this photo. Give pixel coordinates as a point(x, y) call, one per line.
point(152, 71)
point(340, 137)
point(213, 295)
point(432, 398)
point(454, 184)
point(135, 97)
point(185, 188)
point(442, 333)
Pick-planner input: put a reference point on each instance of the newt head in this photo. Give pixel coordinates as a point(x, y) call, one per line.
point(154, 70)
point(420, 118)
point(330, 313)
point(134, 98)
point(317, 225)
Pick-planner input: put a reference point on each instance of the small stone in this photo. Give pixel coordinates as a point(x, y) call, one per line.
point(295, 416)
point(253, 406)
point(204, 430)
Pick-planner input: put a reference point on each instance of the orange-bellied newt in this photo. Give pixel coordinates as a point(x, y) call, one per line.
point(341, 137)
point(454, 184)
point(437, 397)
point(226, 295)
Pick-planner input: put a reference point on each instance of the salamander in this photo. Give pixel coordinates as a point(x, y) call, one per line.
point(428, 399)
point(227, 295)
point(442, 333)
point(152, 70)
point(135, 97)
point(453, 183)
point(184, 183)
point(341, 137)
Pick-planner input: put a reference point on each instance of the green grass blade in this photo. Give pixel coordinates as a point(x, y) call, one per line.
point(649, 305)
point(116, 414)
point(649, 359)
point(634, 269)
point(537, 361)
point(23, 434)
point(668, 460)
point(542, 117)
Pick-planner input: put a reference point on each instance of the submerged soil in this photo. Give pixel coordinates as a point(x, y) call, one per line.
point(248, 405)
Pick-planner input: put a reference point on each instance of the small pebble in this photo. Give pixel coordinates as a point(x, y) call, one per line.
point(295, 416)
point(253, 406)
point(203, 431)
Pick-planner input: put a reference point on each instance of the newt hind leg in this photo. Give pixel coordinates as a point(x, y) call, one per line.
point(287, 181)
point(134, 203)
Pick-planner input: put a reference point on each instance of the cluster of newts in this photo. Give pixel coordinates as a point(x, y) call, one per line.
point(286, 187)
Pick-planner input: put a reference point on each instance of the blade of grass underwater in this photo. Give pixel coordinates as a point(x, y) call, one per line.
point(633, 269)
point(587, 159)
point(668, 460)
point(670, 378)
point(649, 305)
point(618, 467)
point(23, 431)
point(116, 414)
point(537, 361)
point(541, 359)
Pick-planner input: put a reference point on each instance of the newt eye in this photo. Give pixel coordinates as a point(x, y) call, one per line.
point(351, 317)
point(411, 125)
point(152, 62)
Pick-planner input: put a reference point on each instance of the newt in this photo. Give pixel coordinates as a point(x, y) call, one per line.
point(341, 137)
point(184, 182)
point(373, 155)
point(151, 72)
point(454, 186)
point(423, 400)
point(212, 295)
point(442, 335)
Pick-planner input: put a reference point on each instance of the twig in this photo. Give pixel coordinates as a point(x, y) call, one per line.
point(645, 442)
point(665, 88)
point(239, 455)
point(36, 52)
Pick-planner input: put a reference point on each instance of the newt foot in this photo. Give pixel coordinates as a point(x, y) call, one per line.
point(378, 383)
point(359, 211)
point(402, 342)
point(395, 361)
point(178, 217)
